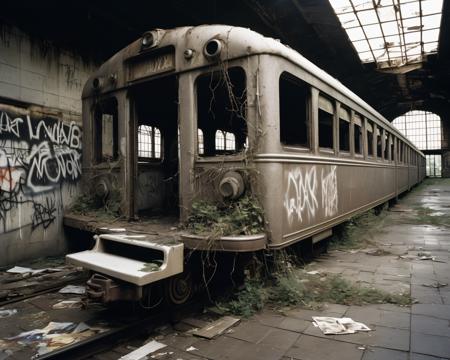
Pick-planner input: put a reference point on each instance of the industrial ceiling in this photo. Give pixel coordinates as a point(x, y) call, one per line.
point(98, 29)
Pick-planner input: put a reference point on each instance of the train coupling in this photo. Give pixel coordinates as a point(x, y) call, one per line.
point(100, 288)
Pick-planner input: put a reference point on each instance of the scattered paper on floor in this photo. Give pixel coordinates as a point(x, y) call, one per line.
point(55, 335)
point(338, 326)
point(7, 313)
point(143, 351)
point(73, 289)
point(75, 303)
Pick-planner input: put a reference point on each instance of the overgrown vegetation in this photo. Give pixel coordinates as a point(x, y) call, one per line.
point(105, 208)
point(358, 231)
point(299, 288)
point(425, 215)
point(242, 217)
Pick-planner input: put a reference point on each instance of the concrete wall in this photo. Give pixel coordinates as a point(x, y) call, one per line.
point(40, 143)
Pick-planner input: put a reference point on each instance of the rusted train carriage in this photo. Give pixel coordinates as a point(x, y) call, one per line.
point(213, 112)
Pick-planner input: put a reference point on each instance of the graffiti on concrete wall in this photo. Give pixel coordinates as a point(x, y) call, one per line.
point(36, 157)
point(303, 189)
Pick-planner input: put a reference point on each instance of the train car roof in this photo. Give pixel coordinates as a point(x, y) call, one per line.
point(237, 42)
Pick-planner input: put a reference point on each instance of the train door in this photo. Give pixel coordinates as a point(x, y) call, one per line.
point(156, 183)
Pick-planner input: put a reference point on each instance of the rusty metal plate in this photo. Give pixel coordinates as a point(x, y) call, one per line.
point(148, 66)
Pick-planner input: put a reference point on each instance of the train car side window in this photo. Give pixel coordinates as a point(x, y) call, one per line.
point(326, 120)
point(221, 111)
point(357, 133)
point(369, 138)
point(379, 145)
point(386, 145)
point(392, 147)
point(344, 129)
point(294, 111)
point(149, 142)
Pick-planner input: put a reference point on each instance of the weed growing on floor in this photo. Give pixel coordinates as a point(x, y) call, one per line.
point(296, 288)
point(358, 231)
point(425, 215)
point(242, 217)
point(108, 208)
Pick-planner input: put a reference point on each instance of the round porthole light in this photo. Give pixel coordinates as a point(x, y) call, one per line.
point(213, 48)
point(147, 40)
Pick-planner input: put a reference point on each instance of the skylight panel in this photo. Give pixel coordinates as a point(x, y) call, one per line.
point(391, 33)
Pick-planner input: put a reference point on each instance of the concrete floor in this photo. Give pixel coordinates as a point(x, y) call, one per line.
point(419, 332)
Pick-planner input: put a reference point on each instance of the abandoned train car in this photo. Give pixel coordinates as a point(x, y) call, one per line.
point(211, 113)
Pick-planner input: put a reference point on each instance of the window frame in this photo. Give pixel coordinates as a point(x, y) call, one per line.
point(152, 158)
point(322, 106)
point(293, 79)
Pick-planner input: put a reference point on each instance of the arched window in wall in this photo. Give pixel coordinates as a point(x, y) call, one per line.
point(149, 142)
point(423, 129)
point(225, 141)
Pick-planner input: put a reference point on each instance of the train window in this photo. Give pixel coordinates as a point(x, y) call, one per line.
point(401, 152)
point(386, 145)
point(326, 117)
point(225, 141)
point(221, 110)
point(106, 131)
point(379, 146)
point(200, 144)
point(369, 138)
point(149, 142)
point(357, 133)
point(344, 129)
point(392, 147)
point(294, 111)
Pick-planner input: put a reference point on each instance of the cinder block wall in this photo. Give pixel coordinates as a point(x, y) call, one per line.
point(40, 143)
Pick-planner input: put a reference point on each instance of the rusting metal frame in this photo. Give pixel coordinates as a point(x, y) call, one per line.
point(402, 33)
point(375, 7)
point(364, 32)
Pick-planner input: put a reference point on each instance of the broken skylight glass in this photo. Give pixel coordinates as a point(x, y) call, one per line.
point(391, 33)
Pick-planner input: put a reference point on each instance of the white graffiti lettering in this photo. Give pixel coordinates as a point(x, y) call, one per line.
point(48, 168)
point(58, 133)
point(300, 197)
point(10, 126)
point(329, 192)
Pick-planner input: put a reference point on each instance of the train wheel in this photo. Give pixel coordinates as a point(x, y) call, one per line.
point(179, 288)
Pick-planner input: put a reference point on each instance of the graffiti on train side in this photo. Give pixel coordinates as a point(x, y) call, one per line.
point(300, 198)
point(329, 192)
point(303, 190)
point(36, 157)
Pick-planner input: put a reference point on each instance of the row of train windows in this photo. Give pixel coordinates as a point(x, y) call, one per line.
point(150, 144)
point(295, 125)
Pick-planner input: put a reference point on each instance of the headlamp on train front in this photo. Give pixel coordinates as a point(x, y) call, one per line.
point(212, 48)
point(148, 40)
